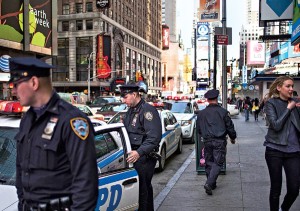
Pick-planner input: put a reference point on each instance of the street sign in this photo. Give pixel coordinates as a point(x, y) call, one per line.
point(222, 39)
point(251, 87)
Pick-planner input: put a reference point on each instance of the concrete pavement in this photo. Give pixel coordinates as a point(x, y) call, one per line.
point(245, 187)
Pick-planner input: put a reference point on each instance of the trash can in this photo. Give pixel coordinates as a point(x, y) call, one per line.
point(200, 161)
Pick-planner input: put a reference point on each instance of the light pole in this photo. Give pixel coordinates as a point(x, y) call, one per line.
point(89, 77)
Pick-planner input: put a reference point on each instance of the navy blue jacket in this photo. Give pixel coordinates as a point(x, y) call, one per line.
point(56, 156)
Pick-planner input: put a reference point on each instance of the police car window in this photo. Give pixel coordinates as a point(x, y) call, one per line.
point(101, 146)
point(111, 144)
point(179, 107)
point(8, 153)
point(172, 118)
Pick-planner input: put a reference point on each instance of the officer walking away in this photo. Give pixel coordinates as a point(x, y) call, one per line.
point(143, 125)
point(56, 165)
point(213, 124)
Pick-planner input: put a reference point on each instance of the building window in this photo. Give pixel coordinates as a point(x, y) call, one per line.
point(78, 7)
point(89, 7)
point(66, 9)
point(89, 24)
point(79, 25)
point(65, 26)
point(84, 48)
point(61, 73)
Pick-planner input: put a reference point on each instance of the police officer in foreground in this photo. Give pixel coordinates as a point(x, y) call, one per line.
point(213, 124)
point(56, 158)
point(143, 125)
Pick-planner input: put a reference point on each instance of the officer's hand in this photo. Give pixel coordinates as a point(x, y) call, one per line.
point(232, 141)
point(133, 156)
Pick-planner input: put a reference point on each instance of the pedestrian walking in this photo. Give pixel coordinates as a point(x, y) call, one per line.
point(255, 109)
point(247, 107)
point(144, 128)
point(213, 125)
point(56, 165)
point(282, 142)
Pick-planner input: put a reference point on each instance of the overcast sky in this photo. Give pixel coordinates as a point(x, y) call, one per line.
point(236, 16)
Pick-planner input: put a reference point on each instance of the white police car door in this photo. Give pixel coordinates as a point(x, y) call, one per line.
point(118, 180)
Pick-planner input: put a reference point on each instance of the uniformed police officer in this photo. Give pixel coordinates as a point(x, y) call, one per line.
point(213, 124)
point(56, 158)
point(143, 125)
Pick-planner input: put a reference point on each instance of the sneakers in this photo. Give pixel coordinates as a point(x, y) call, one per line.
point(208, 189)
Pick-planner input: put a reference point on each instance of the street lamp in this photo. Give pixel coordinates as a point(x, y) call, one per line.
point(89, 76)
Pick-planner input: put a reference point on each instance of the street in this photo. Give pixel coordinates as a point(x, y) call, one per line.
point(245, 187)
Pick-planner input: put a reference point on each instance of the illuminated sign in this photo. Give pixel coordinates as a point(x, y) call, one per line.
point(102, 66)
point(165, 37)
point(102, 4)
point(209, 10)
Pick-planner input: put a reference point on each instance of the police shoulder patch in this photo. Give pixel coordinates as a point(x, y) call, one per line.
point(80, 126)
point(148, 115)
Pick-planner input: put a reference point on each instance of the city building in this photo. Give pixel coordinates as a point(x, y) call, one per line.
point(100, 44)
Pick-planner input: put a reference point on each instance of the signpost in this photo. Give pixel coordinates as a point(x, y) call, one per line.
point(222, 39)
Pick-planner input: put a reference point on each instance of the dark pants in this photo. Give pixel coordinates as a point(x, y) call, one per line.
point(145, 167)
point(290, 163)
point(256, 112)
point(215, 154)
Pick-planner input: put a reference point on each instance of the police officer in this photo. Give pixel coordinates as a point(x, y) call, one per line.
point(56, 158)
point(143, 125)
point(213, 124)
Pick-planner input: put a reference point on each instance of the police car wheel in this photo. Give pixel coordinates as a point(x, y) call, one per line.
point(162, 161)
point(179, 146)
point(192, 140)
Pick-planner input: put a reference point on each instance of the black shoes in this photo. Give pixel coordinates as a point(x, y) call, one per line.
point(208, 189)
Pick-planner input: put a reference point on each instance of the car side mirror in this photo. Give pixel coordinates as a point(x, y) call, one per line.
point(170, 127)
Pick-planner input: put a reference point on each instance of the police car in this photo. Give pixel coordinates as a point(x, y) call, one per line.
point(171, 140)
point(185, 113)
point(118, 180)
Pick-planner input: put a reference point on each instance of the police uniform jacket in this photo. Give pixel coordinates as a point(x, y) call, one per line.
point(143, 125)
point(56, 156)
point(214, 122)
point(280, 119)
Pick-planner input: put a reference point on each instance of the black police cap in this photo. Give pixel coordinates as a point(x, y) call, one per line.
point(22, 67)
point(211, 94)
point(128, 88)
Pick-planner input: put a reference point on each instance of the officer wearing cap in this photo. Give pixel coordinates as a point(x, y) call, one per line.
point(56, 158)
point(213, 125)
point(144, 128)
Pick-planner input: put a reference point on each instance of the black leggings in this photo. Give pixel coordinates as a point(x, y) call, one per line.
point(291, 164)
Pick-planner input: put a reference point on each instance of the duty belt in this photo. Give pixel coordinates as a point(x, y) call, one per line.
point(59, 204)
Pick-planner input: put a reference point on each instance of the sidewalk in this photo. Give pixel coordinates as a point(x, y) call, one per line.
point(245, 187)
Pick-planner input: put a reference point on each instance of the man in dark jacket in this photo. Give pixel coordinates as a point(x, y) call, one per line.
point(56, 165)
point(213, 125)
point(144, 129)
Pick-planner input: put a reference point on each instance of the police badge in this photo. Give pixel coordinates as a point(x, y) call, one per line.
point(80, 127)
point(148, 115)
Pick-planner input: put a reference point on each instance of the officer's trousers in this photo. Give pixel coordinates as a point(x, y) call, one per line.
point(215, 154)
point(145, 168)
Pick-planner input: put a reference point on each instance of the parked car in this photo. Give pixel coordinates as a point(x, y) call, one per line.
point(171, 140)
point(101, 101)
point(233, 109)
point(89, 112)
point(110, 109)
point(185, 113)
point(118, 180)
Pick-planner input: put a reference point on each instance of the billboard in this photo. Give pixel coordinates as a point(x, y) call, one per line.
point(202, 30)
point(165, 37)
point(202, 50)
point(255, 53)
point(40, 22)
point(271, 10)
point(296, 24)
point(102, 58)
point(209, 10)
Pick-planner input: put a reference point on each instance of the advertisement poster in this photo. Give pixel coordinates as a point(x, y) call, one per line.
point(165, 37)
point(296, 24)
point(40, 22)
point(255, 53)
point(209, 10)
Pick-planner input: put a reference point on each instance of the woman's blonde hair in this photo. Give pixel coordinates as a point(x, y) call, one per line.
point(273, 92)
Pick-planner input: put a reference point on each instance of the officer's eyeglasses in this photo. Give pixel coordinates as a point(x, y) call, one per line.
point(17, 83)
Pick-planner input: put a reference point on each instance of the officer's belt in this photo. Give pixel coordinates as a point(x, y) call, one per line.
point(135, 147)
point(211, 139)
point(59, 204)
